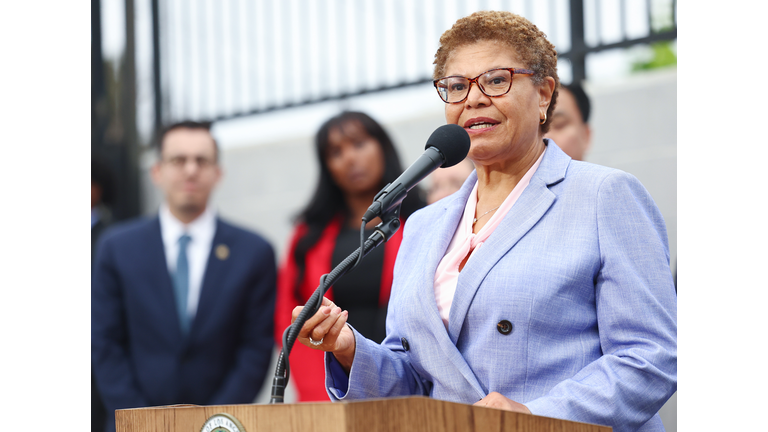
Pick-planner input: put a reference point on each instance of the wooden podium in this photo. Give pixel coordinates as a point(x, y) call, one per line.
point(411, 414)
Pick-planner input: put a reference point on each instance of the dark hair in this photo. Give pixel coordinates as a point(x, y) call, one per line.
point(101, 175)
point(582, 100)
point(186, 124)
point(328, 201)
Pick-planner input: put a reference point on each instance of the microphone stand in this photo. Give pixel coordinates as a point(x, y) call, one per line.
point(383, 232)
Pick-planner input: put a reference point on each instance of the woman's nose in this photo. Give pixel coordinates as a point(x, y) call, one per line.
point(350, 156)
point(476, 96)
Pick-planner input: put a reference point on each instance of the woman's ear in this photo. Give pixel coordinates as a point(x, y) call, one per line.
point(546, 89)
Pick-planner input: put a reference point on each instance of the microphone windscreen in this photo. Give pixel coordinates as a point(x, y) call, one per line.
point(452, 141)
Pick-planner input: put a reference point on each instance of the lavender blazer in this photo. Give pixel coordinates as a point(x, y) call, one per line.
point(578, 269)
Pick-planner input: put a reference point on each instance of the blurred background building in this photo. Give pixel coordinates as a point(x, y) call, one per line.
point(269, 72)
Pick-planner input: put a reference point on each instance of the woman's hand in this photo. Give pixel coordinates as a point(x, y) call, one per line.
point(497, 400)
point(328, 325)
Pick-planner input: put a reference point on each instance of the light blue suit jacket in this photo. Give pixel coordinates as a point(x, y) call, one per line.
point(579, 267)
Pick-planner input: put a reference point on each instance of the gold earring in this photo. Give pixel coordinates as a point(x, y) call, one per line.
point(544, 120)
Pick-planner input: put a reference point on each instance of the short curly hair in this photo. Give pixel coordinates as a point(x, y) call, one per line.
point(531, 45)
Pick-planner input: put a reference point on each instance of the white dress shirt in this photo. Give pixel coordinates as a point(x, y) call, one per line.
point(201, 230)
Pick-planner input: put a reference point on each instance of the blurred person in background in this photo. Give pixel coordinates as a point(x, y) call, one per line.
point(182, 302)
point(445, 181)
point(102, 190)
point(570, 122)
point(542, 286)
point(357, 159)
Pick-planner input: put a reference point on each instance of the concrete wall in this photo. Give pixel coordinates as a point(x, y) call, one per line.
point(269, 174)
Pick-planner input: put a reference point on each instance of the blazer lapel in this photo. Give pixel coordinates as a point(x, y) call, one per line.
point(534, 202)
point(156, 261)
point(444, 229)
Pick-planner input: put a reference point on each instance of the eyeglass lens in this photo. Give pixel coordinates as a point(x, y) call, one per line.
point(492, 83)
point(181, 161)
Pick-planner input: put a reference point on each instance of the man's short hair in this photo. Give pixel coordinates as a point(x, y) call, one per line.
point(186, 124)
point(582, 100)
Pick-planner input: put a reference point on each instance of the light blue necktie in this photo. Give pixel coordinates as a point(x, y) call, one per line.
point(181, 283)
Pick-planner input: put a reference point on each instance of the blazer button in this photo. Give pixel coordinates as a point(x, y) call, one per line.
point(504, 327)
point(404, 341)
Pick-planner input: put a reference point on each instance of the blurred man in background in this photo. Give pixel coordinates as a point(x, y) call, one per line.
point(101, 198)
point(182, 303)
point(102, 186)
point(570, 121)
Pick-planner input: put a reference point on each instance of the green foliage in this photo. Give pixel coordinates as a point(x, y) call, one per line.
point(661, 56)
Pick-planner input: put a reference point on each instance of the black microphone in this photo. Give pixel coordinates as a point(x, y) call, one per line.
point(447, 146)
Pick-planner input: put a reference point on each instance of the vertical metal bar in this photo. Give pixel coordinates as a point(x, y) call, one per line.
point(238, 43)
point(203, 59)
point(170, 50)
point(363, 41)
point(252, 56)
point(239, 96)
point(268, 78)
point(218, 81)
point(552, 11)
point(130, 140)
point(340, 48)
point(420, 36)
point(623, 19)
point(156, 65)
point(288, 93)
point(578, 46)
point(186, 36)
point(674, 12)
point(381, 43)
point(599, 22)
point(400, 23)
point(98, 87)
point(649, 16)
point(439, 19)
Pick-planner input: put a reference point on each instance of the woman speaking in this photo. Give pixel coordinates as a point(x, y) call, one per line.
point(542, 286)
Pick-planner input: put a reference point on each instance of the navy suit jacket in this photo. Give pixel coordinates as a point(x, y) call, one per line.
point(140, 357)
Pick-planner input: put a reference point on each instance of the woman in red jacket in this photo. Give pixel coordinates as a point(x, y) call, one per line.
point(357, 159)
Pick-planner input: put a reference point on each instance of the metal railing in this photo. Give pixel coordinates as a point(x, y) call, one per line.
point(223, 59)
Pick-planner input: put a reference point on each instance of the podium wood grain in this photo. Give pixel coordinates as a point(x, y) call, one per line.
point(420, 414)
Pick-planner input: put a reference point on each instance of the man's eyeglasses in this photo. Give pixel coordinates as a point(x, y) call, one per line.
point(180, 162)
point(493, 83)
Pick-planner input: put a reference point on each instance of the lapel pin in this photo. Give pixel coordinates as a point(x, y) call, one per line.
point(222, 252)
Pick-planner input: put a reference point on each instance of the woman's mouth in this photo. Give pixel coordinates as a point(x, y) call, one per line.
point(480, 124)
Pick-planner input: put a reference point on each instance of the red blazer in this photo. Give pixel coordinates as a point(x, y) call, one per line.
point(307, 368)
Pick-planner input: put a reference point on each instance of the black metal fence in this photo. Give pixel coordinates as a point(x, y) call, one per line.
point(224, 59)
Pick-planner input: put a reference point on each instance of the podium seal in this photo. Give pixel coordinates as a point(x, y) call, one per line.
point(222, 422)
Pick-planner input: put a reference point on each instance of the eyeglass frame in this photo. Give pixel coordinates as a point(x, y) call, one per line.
point(179, 162)
point(512, 71)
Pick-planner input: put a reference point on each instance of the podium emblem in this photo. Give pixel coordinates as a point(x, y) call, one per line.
point(222, 422)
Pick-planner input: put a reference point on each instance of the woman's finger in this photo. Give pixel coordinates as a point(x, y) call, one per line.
point(333, 333)
point(319, 331)
point(338, 326)
point(319, 315)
